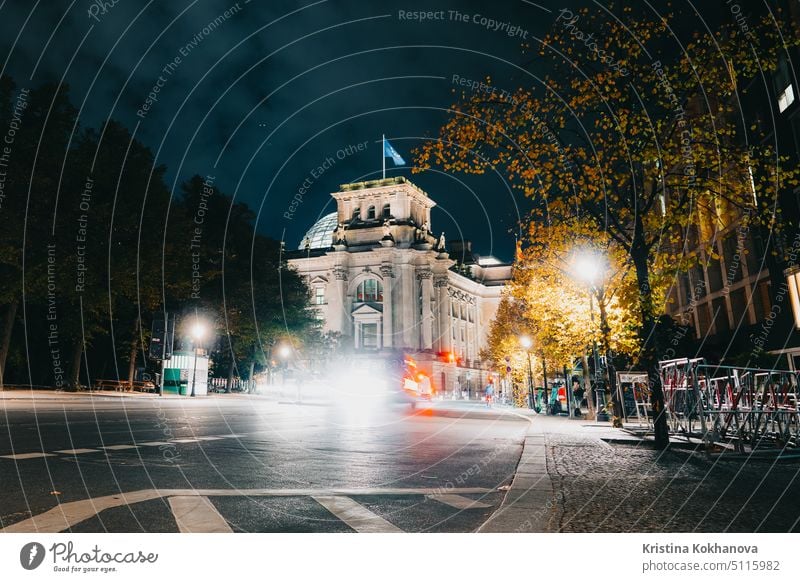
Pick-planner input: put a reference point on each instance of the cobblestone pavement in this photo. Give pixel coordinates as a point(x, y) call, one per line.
point(632, 487)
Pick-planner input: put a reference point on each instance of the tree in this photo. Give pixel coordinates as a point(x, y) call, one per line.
point(241, 275)
point(553, 303)
point(640, 139)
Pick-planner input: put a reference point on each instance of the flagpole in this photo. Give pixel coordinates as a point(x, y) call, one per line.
point(383, 154)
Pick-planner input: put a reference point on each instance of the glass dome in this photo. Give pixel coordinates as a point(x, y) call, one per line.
point(319, 235)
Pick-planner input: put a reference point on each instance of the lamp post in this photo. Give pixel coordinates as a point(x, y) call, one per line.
point(590, 267)
point(198, 333)
point(284, 353)
point(527, 343)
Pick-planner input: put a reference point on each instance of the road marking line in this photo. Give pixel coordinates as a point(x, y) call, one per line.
point(66, 515)
point(459, 501)
point(77, 451)
point(209, 438)
point(184, 441)
point(356, 515)
point(231, 436)
point(119, 447)
point(154, 444)
point(23, 456)
point(196, 514)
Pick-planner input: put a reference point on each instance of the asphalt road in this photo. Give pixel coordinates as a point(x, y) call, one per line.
point(237, 463)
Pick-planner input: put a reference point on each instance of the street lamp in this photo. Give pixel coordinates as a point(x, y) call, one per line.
point(198, 333)
point(527, 343)
point(285, 351)
point(590, 267)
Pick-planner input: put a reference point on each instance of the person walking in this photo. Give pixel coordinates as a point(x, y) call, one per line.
point(489, 394)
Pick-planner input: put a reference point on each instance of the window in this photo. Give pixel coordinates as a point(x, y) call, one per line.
point(371, 213)
point(762, 301)
point(733, 259)
point(714, 271)
point(319, 296)
point(703, 319)
point(356, 215)
point(698, 282)
point(369, 335)
point(782, 82)
point(721, 315)
point(739, 307)
point(369, 290)
point(786, 98)
point(387, 211)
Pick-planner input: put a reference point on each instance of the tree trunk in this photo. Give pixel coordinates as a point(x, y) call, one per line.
point(587, 386)
point(250, 379)
point(134, 352)
point(75, 370)
point(649, 337)
point(5, 342)
point(605, 333)
point(229, 381)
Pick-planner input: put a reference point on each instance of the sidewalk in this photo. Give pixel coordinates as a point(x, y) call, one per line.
point(64, 395)
point(533, 500)
point(110, 395)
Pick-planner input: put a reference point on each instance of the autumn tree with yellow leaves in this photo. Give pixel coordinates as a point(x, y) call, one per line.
point(548, 301)
point(617, 123)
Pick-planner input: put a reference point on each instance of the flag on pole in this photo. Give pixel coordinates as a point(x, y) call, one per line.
point(390, 152)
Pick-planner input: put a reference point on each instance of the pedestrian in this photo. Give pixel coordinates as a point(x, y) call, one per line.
point(577, 394)
point(489, 394)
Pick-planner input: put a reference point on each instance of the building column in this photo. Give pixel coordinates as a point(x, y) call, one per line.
point(388, 306)
point(443, 316)
point(337, 308)
point(407, 308)
point(426, 279)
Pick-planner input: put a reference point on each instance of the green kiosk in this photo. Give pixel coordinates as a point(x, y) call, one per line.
point(179, 370)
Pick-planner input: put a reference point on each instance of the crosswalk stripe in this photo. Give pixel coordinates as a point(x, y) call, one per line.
point(77, 451)
point(459, 501)
point(356, 515)
point(196, 514)
point(67, 514)
point(23, 456)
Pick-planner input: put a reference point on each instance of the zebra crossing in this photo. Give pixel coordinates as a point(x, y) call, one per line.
point(195, 510)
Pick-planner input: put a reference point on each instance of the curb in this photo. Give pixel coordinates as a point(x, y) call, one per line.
point(529, 502)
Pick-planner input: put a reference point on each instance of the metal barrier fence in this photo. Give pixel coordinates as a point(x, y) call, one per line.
point(746, 406)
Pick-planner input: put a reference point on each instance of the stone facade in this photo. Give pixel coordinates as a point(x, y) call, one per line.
point(386, 283)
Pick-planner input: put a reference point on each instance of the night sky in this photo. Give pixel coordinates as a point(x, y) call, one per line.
point(264, 96)
point(277, 87)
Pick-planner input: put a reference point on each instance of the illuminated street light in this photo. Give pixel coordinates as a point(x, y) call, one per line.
point(285, 351)
point(591, 268)
point(198, 331)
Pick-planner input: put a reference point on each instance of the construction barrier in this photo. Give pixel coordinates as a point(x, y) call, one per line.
point(745, 406)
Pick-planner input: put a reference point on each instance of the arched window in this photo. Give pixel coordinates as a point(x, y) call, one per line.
point(387, 211)
point(356, 214)
point(369, 290)
point(371, 213)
